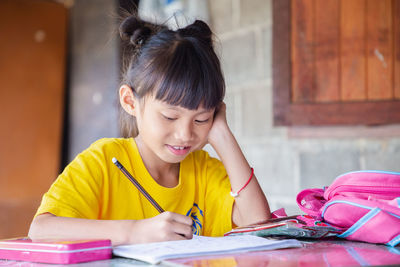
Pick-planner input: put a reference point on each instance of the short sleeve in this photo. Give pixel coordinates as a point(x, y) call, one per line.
point(77, 190)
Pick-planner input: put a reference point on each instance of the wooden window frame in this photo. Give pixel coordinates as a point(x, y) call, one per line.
point(287, 113)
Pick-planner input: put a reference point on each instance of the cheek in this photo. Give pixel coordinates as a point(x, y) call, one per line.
point(156, 126)
point(146, 124)
point(203, 131)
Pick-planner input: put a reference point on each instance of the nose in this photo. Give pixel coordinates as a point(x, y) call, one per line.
point(184, 132)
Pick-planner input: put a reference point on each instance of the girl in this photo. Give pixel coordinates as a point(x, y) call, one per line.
point(172, 92)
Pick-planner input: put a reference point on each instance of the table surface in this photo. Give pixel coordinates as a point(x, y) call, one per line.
point(312, 253)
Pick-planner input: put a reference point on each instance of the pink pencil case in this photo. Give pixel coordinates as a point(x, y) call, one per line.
point(55, 251)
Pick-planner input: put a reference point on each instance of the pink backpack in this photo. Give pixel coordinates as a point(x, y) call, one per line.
point(365, 204)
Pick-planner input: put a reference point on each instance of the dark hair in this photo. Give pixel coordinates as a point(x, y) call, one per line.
point(179, 66)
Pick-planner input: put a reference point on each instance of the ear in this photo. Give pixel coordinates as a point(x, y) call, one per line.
point(128, 100)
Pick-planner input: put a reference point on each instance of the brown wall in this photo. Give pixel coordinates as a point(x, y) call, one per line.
point(32, 74)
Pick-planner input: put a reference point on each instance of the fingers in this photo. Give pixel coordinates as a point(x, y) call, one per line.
point(218, 108)
point(179, 218)
point(222, 106)
point(182, 230)
point(221, 114)
point(178, 225)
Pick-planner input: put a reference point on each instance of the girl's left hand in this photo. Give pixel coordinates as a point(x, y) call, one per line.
point(219, 125)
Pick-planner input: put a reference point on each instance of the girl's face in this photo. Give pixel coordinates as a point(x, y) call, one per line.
point(169, 132)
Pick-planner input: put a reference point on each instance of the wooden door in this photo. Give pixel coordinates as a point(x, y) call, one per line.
point(32, 74)
point(344, 50)
point(336, 62)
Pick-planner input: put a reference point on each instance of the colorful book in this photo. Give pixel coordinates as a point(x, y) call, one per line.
point(298, 226)
point(55, 251)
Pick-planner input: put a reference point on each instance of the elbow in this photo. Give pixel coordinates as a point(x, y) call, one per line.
point(36, 229)
point(251, 216)
point(33, 232)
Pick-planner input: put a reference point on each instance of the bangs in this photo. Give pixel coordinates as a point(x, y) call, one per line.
point(190, 77)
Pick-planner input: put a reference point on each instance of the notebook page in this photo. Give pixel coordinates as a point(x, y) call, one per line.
point(200, 245)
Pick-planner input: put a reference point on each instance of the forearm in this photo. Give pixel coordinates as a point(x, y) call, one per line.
point(163, 227)
point(250, 206)
point(48, 226)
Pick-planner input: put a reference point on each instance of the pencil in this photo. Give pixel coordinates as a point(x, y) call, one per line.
point(138, 186)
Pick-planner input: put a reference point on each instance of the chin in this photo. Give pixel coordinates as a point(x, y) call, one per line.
point(175, 159)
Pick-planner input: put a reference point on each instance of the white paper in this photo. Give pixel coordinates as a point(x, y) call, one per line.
point(200, 245)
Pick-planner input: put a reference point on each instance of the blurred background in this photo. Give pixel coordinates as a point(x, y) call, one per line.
point(313, 88)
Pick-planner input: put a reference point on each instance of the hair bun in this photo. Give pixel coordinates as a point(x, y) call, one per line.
point(198, 29)
point(134, 30)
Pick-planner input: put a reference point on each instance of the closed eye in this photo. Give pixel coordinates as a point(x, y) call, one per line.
point(169, 118)
point(202, 121)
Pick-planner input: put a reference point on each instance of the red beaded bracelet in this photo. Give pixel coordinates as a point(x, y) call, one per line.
point(248, 181)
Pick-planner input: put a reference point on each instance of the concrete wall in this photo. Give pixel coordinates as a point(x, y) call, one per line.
point(285, 159)
point(93, 74)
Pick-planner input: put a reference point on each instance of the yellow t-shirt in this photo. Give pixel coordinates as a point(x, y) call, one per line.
point(92, 187)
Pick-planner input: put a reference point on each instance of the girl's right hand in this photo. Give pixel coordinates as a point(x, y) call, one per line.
point(164, 227)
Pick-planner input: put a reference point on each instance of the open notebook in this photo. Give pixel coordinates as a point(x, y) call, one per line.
point(200, 245)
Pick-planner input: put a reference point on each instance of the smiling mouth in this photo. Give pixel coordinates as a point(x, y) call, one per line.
point(180, 147)
point(179, 150)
